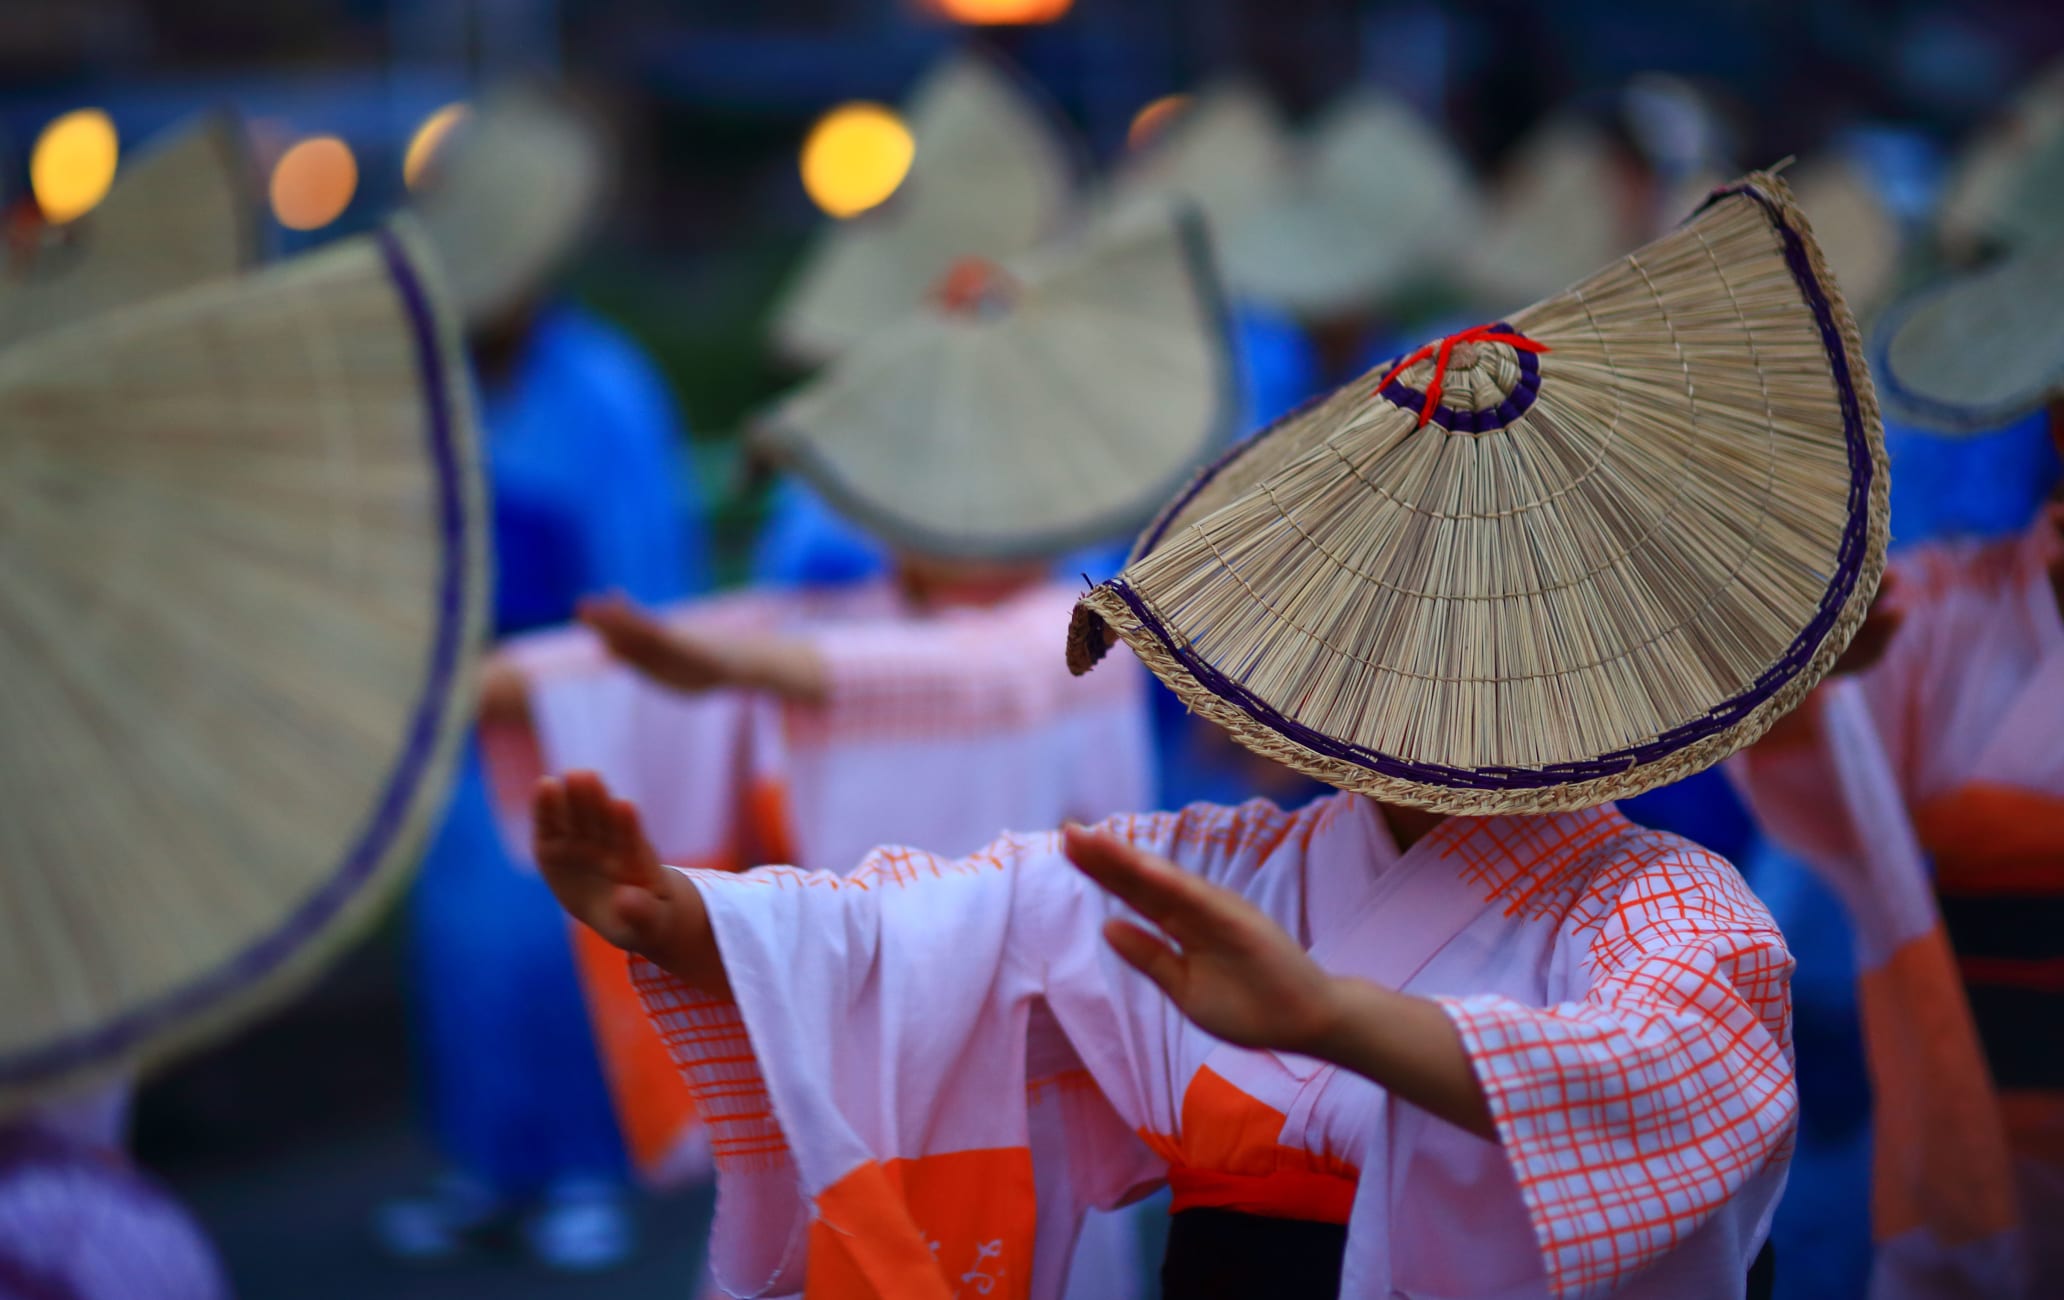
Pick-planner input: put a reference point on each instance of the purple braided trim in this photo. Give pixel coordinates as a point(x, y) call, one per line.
point(1492, 418)
point(1849, 565)
point(373, 844)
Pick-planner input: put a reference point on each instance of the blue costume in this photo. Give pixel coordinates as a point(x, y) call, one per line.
point(583, 454)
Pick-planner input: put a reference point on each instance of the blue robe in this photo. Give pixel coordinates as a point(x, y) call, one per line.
point(583, 450)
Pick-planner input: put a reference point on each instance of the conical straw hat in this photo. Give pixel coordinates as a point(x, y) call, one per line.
point(992, 175)
point(184, 212)
point(1979, 350)
point(1557, 215)
point(2008, 187)
point(1228, 152)
point(1858, 234)
point(1644, 519)
point(1046, 403)
point(1381, 200)
point(246, 575)
point(510, 196)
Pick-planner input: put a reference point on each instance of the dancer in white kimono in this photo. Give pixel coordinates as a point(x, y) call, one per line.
point(1459, 1030)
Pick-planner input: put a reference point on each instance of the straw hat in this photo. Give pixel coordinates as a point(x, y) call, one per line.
point(1044, 403)
point(2008, 186)
point(1978, 350)
point(1379, 199)
point(185, 211)
point(992, 175)
point(1228, 152)
point(510, 197)
point(1644, 519)
point(247, 569)
point(1858, 233)
point(1558, 213)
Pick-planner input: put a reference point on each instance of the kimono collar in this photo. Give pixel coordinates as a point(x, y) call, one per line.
point(1537, 863)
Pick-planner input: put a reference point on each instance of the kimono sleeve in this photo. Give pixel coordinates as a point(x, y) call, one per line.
point(1788, 778)
point(866, 1089)
point(1631, 1114)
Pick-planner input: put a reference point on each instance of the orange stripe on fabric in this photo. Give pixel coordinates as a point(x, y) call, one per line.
point(1230, 1155)
point(1941, 1149)
point(930, 1228)
point(653, 1105)
point(768, 822)
point(1285, 1194)
point(1994, 839)
point(2035, 1123)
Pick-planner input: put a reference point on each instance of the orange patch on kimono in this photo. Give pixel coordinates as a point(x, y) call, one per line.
point(938, 1227)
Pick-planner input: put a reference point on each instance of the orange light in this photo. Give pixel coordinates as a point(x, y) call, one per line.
point(1151, 121)
point(73, 164)
point(313, 182)
point(429, 137)
point(855, 157)
point(1004, 13)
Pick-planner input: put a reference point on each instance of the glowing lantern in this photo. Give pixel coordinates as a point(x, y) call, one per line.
point(313, 182)
point(855, 157)
point(73, 164)
point(423, 146)
point(1151, 121)
point(1000, 13)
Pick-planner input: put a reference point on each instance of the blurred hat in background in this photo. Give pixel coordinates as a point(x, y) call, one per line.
point(1047, 401)
point(184, 211)
point(510, 196)
point(991, 173)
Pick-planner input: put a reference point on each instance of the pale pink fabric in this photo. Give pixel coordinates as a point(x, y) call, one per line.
point(943, 729)
point(1970, 691)
point(1623, 996)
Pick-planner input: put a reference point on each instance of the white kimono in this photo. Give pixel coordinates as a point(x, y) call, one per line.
point(1622, 995)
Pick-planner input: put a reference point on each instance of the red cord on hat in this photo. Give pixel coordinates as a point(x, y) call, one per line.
point(1439, 349)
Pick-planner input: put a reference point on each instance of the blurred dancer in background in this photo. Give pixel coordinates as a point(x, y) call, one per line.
point(806, 725)
point(583, 450)
point(1926, 789)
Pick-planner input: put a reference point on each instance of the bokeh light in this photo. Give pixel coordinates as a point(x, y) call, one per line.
point(313, 182)
point(1000, 13)
point(855, 157)
point(74, 164)
point(1151, 121)
point(423, 146)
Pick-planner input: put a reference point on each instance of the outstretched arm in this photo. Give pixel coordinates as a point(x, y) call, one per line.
point(1241, 978)
point(691, 662)
point(593, 852)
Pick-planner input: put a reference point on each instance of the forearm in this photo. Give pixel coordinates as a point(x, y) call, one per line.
point(783, 666)
point(1409, 1046)
point(686, 943)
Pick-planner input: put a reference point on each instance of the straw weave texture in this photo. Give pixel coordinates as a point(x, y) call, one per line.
point(1559, 591)
point(1057, 413)
point(510, 196)
point(992, 175)
point(182, 212)
point(1978, 350)
point(245, 572)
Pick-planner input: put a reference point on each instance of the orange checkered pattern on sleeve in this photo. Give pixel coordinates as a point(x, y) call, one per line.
point(706, 1037)
point(1631, 1116)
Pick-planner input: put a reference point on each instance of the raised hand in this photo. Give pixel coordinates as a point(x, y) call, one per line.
point(1242, 979)
point(1233, 971)
point(691, 663)
point(669, 657)
point(592, 851)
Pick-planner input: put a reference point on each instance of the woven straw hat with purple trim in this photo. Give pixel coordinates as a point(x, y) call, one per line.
point(1554, 560)
point(247, 564)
